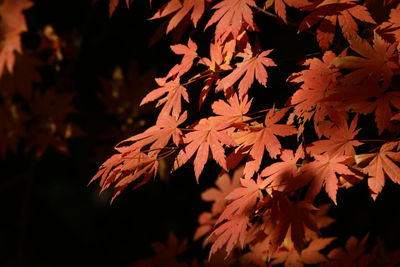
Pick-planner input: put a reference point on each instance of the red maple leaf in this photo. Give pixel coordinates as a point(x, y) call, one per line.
point(317, 83)
point(354, 254)
point(250, 67)
point(208, 134)
point(189, 54)
point(206, 221)
point(158, 135)
point(231, 14)
point(391, 27)
point(367, 99)
point(310, 255)
point(183, 8)
point(259, 138)
point(279, 6)
point(332, 12)
point(172, 101)
point(243, 199)
point(229, 234)
point(322, 171)
point(225, 185)
point(281, 175)
point(377, 61)
point(12, 24)
point(341, 140)
point(285, 214)
point(379, 164)
point(126, 167)
point(234, 110)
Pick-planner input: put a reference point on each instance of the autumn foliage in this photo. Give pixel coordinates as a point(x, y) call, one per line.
point(338, 129)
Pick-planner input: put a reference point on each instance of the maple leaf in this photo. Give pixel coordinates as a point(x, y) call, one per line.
point(208, 134)
point(126, 167)
point(234, 110)
point(12, 24)
point(259, 138)
point(219, 60)
point(279, 6)
point(159, 134)
point(172, 101)
point(367, 99)
point(281, 175)
point(112, 5)
point(225, 185)
point(189, 54)
point(206, 221)
point(354, 254)
point(250, 67)
point(341, 141)
point(165, 254)
point(285, 214)
point(318, 82)
point(243, 199)
point(391, 27)
point(231, 14)
point(182, 8)
point(309, 255)
point(229, 234)
point(379, 164)
point(332, 12)
point(322, 171)
point(377, 61)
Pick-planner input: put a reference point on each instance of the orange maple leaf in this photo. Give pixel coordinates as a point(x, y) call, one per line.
point(377, 61)
point(318, 82)
point(182, 8)
point(172, 101)
point(207, 134)
point(243, 199)
point(158, 135)
point(250, 67)
point(279, 6)
point(234, 110)
point(341, 140)
point(12, 24)
point(310, 255)
point(231, 14)
point(367, 99)
point(379, 164)
point(285, 214)
point(126, 167)
point(281, 175)
point(229, 234)
point(322, 171)
point(259, 138)
point(332, 12)
point(225, 185)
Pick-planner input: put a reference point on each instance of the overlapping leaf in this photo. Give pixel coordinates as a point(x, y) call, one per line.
point(230, 15)
point(208, 134)
point(251, 67)
point(182, 8)
point(379, 164)
point(259, 138)
point(333, 12)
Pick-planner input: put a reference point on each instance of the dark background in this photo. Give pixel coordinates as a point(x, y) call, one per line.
point(51, 217)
